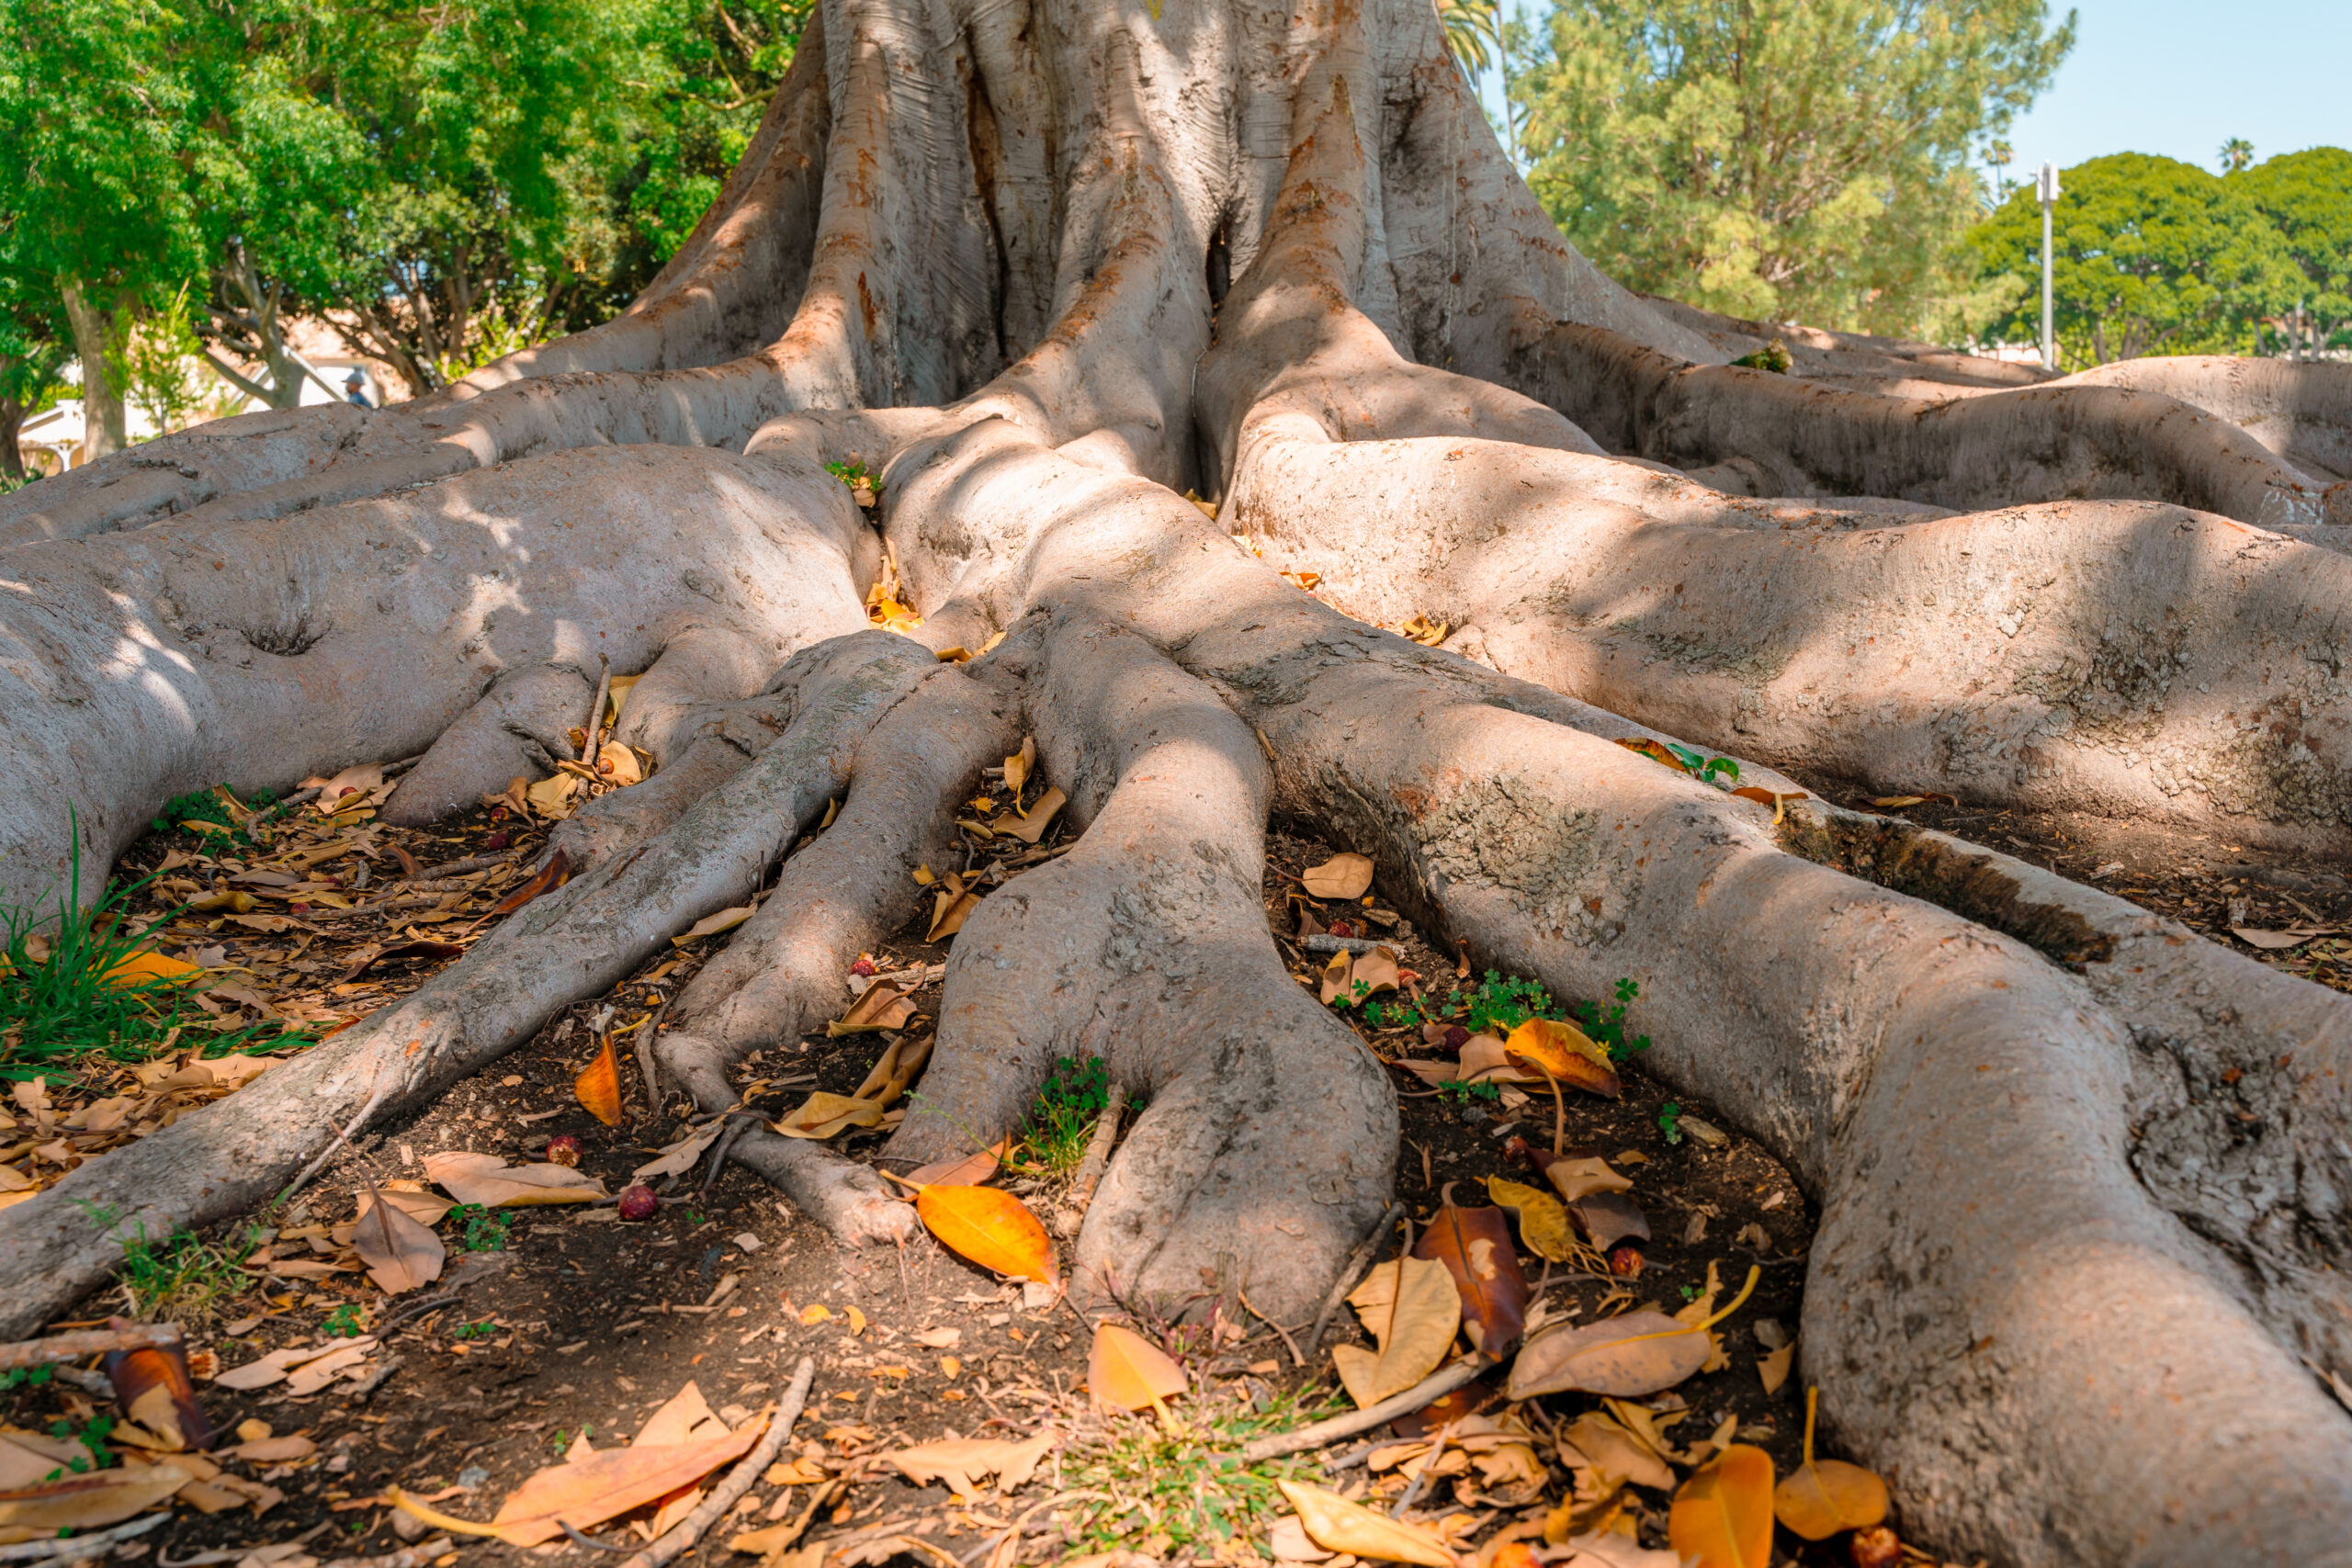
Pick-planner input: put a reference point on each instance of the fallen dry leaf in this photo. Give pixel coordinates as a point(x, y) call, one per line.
point(1723, 1516)
point(1344, 876)
point(1634, 1355)
point(992, 1228)
point(951, 907)
point(681, 1156)
point(885, 1005)
point(84, 1502)
point(472, 1177)
point(155, 1390)
point(1030, 826)
point(598, 1087)
point(1620, 1454)
point(1542, 1223)
point(823, 1115)
point(1335, 1524)
point(965, 1170)
point(554, 874)
point(1016, 767)
point(401, 1254)
point(958, 1461)
point(1772, 1368)
point(1562, 1050)
point(711, 925)
point(1824, 1497)
point(1475, 1246)
point(1126, 1371)
point(1413, 1311)
point(584, 1493)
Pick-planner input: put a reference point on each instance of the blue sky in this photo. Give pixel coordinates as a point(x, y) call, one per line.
point(2179, 77)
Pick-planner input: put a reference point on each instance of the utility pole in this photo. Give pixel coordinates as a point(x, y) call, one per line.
point(2046, 187)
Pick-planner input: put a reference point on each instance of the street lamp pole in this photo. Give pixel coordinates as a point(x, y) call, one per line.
point(2046, 187)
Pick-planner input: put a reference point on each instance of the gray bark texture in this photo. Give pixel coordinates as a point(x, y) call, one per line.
point(1044, 267)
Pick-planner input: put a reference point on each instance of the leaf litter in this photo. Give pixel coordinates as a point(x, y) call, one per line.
point(1496, 1474)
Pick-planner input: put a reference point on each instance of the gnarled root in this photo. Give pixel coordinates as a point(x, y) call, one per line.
point(1271, 1137)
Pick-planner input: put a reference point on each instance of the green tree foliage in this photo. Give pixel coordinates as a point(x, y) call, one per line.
point(442, 179)
point(1780, 159)
point(2152, 256)
point(2307, 196)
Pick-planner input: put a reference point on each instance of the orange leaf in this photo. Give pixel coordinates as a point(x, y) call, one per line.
point(1723, 1516)
point(1562, 1050)
point(1474, 1245)
point(139, 968)
point(1828, 1495)
point(585, 1492)
point(992, 1228)
point(1656, 751)
point(599, 1087)
point(1126, 1371)
point(554, 874)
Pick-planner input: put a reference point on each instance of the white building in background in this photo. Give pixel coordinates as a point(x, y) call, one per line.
point(58, 439)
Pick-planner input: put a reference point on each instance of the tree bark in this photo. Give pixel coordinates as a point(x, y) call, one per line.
point(107, 430)
point(1042, 269)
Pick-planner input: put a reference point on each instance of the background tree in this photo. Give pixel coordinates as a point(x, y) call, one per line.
point(2237, 153)
point(2154, 256)
point(2307, 196)
point(32, 356)
point(1779, 159)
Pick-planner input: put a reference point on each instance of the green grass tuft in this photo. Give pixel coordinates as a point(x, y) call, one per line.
point(1063, 1117)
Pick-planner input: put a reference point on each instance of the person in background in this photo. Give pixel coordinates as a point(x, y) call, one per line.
point(355, 389)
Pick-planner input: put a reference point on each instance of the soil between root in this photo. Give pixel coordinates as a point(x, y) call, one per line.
point(577, 1323)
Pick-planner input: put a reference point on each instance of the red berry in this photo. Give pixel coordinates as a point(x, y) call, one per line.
point(564, 1149)
point(497, 840)
point(861, 968)
point(1456, 1036)
point(1625, 1261)
point(1876, 1547)
point(639, 1203)
point(1341, 928)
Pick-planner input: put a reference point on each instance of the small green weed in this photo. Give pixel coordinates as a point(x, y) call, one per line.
point(1773, 356)
point(343, 1323)
point(485, 1230)
point(181, 1276)
point(92, 1438)
point(24, 1377)
point(481, 1330)
point(856, 475)
point(217, 816)
point(1073, 1094)
point(1669, 1121)
point(1458, 1093)
point(1500, 1003)
point(1141, 1487)
point(562, 1437)
point(58, 1006)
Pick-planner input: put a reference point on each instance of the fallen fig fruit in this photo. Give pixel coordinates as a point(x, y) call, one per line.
point(863, 968)
point(1876, 1547)
point(563, 1149)
point(1625, 1262)
point(639, 1203)
point(1456, 1036)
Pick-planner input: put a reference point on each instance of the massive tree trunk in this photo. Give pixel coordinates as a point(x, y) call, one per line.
point(1046, 266)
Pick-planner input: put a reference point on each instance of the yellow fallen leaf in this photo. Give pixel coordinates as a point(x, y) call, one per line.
point(1126, 1371)
point(711, 925)
point(1824, 1497)
point(1773, 1368)
point(823, 1115)
point(1413, 1309)
point(1344, 876)
point(1030, 826)
point(1336, 1525)
point(617, 764)
point(1543, 1220)
point(598, 1087)
point(1723, 1516)
point(815, 1312)
point(139, 968)
point(551, 796)
point(951, 907)
point(1016, 767)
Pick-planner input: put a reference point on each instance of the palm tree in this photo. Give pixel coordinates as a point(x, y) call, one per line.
point(1471, 25)
point(2237, 153)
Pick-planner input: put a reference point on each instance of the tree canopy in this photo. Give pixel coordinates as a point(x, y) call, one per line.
point(2158, 256)
point(443, 180)
point(1783, 159)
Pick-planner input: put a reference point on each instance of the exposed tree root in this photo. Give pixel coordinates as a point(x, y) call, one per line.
point(2080, 1171)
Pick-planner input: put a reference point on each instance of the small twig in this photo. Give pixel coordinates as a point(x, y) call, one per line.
point(1098, 1148)
point(592, 1545)
point(1429, 1463)
point(447, 869)
point(645, 1066)
point(1442, 1381)
point(597, 710)
point(89, 1342)
point(1358, 945)
point(415, 1556)
point(415, 1309)
point(736, 1128)
point(93, 1544)
point(1347, 1279)
point(343, 1136)
point(739, 1480)
point(1296, 1359)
